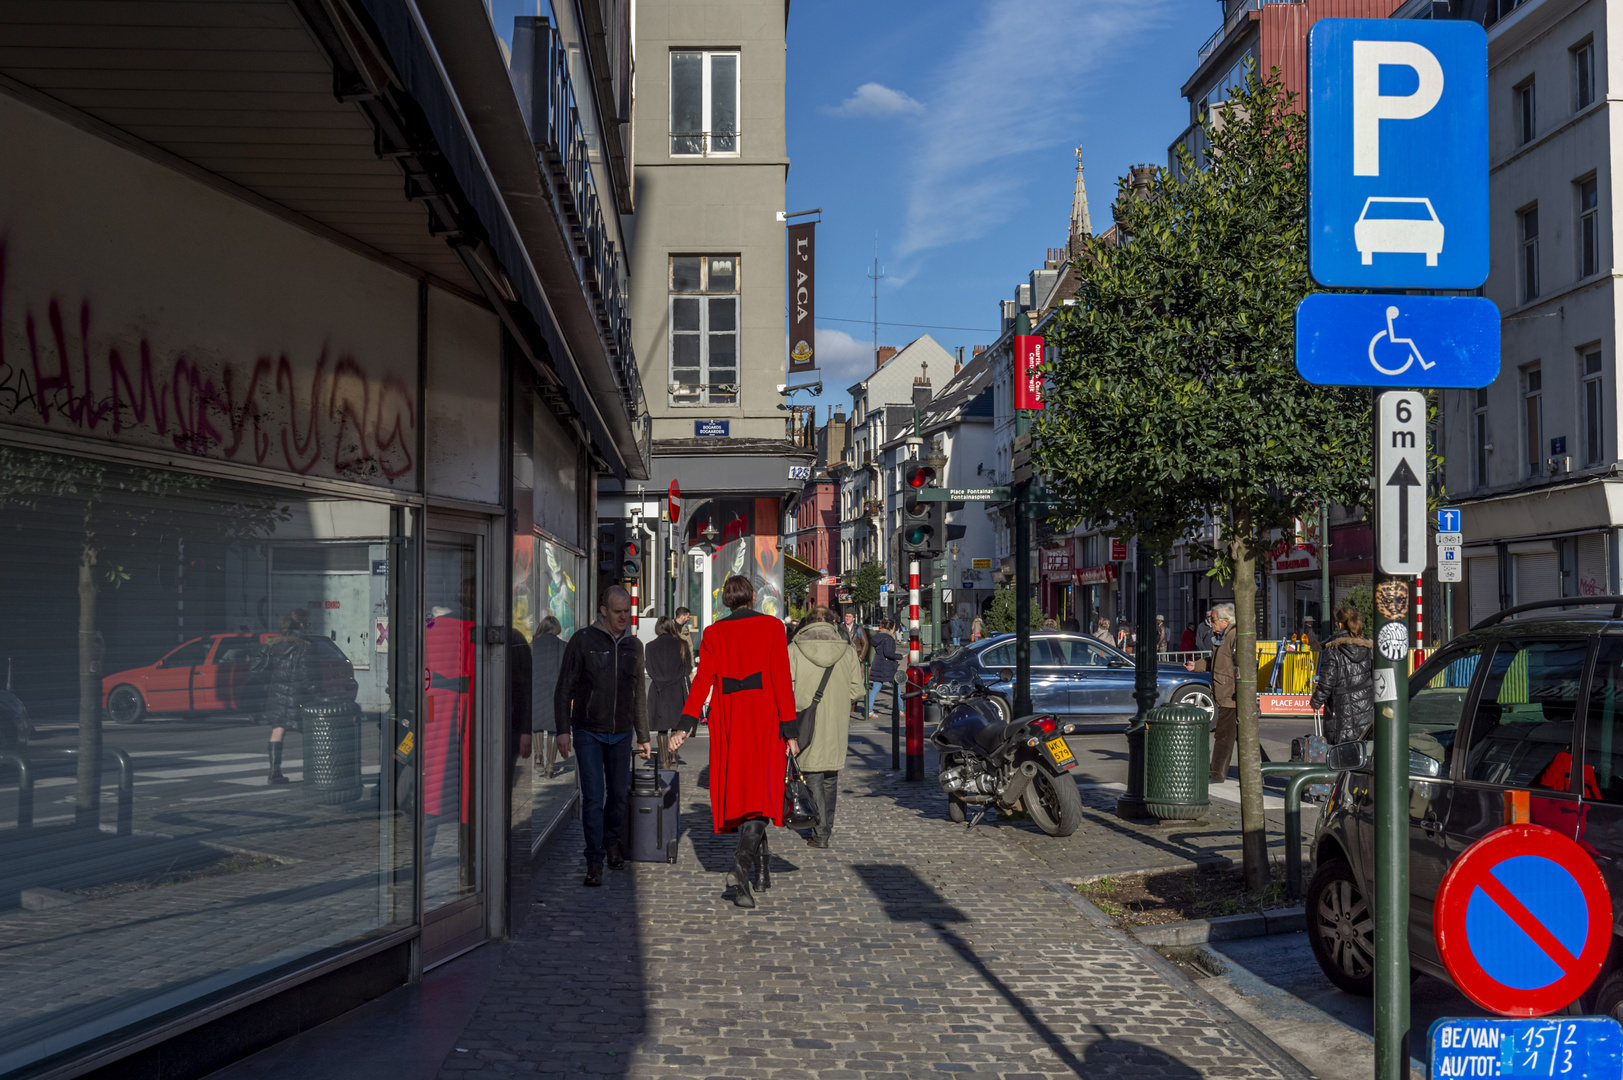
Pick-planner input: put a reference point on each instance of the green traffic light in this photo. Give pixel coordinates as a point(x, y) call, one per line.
point(919, 535)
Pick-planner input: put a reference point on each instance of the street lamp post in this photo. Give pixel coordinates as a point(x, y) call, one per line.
point(1131, 802)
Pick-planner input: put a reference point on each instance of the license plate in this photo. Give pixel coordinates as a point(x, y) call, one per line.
point(1061, 752)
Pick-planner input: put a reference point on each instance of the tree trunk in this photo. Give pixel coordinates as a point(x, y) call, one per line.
point(1253, 825)
point(87, 804)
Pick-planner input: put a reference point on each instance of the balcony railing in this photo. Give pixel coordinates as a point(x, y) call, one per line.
point(1235, 18)
point(704, 144)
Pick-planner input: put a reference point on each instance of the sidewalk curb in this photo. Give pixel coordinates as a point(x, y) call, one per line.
point(1254, 1040)
point(1255, 924)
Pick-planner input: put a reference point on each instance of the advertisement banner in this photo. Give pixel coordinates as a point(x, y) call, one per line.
point(1028, 371)
point(803, 297)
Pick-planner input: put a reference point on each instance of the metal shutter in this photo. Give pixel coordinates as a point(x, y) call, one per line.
point(1592, 577)
point(1483, 575)
point(1538, 577)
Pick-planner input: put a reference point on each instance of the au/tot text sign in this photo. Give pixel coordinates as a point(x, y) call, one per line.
point(1400, 474)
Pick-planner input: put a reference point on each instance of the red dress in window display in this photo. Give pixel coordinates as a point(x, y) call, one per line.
point(744, 672)
point(448, 653)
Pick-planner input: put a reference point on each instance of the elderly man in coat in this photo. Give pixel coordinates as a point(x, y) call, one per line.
point(1222, 664)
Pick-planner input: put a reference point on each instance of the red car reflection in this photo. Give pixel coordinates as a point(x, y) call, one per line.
point(212, 674)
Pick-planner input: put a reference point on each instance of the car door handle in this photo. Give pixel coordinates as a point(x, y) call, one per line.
point(1430, 824)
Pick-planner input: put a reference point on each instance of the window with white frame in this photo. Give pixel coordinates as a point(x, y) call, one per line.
point(1583, 75)
point(1588, 227)
point(1594, 407)
point(1533, 424)
point(704, 103)
point(1479, 435)
point(704, 329)
point(1526, 113)
point(1529, 239)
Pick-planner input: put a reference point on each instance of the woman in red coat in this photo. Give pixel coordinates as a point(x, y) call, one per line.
point(744, 672)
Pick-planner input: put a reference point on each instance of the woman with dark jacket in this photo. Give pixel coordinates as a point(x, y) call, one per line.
point(1346, 685)
point(667, 665)
point(744, 674)
point(883, 662)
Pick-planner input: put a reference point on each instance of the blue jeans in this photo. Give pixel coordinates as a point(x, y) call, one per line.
point(604, 762)
point(873, 692)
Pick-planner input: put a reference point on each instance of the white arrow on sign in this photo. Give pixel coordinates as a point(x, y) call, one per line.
point(1400, 463)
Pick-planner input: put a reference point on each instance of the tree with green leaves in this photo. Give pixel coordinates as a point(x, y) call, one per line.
point(865, 583)
point(796, 584)
point(1000, 612)
point(1173, 403)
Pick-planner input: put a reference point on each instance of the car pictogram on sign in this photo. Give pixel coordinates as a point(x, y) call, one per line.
point(1397, 225)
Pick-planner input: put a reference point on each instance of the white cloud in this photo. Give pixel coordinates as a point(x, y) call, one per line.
point(1026, 93)
point(874, 99)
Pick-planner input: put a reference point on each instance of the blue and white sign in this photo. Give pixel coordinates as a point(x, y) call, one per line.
point(1348, 339)
point(1448, 521)
point(1573, 1047)
point(1398, 153)
point(712, 429)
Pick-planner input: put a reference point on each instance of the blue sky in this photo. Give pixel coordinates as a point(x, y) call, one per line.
point(950, 129)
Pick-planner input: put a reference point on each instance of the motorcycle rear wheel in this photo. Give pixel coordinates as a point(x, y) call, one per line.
point(957, 813)
point(1054, 803)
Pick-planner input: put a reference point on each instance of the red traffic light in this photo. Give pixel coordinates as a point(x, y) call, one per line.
point(923, 476)
point(631, 550)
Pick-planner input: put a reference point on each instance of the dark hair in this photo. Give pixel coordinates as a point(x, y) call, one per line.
point(666, 625)
point(681, 611)
point(614, 592)
point(737, 592)
point(550, 625)
point(820, 613)
point(1347, 615)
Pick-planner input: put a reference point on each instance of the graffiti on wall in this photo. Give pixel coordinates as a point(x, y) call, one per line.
point(334, 416)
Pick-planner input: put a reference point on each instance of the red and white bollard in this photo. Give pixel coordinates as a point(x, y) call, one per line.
point(1420, 612)
point(916, 678)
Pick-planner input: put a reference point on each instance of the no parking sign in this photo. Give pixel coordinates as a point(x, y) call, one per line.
point(1523, 921)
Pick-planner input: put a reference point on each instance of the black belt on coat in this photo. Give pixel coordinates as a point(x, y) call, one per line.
point(436, 681)
point(748, 682)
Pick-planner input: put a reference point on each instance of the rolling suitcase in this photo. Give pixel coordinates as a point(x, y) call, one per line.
point(1313, 748)
point(651, 817)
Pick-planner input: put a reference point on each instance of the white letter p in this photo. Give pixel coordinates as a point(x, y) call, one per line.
point(1370, 106)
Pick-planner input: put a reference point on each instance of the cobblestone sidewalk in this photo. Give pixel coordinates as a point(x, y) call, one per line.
point(913, 948)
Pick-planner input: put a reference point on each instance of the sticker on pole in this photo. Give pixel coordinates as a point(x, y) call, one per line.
point(1523, 921)
point(1571, 1047)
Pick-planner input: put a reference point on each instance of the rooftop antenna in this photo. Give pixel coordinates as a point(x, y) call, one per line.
point(878, 272)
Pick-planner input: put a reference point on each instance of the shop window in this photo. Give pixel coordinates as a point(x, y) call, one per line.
point(185, 621)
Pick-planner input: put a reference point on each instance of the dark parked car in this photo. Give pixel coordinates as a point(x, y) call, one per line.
point(1073, 676)
point(1533, 704)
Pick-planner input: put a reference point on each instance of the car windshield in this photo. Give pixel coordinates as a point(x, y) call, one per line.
point(1397, 211)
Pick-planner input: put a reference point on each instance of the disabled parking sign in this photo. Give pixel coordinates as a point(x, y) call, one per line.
point(1398, 154)
point(1362, 340)
point(1523, 921)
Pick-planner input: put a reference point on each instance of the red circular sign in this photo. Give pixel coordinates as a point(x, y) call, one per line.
point(676, 503)
point(1523, 921)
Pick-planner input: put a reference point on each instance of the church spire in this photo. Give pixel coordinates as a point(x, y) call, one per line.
point(1081, 226)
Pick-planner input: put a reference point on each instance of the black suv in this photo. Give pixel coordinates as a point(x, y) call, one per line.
point(1530, 704)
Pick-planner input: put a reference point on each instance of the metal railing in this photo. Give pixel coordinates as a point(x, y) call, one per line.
point(25, 761)
point(1233, 19)
point(1301, 773)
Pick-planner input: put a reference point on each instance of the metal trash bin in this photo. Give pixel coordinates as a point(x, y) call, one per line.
point(332, 752)
point(1177, 761)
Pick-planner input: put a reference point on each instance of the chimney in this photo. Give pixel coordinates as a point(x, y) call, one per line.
point(921, 393)
point(885, 353)
point(959, 366)
point(978, 350)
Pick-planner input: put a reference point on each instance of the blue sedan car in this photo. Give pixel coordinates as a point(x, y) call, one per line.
point(1080, 678)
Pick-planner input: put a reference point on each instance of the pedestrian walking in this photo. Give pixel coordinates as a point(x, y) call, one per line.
point(1101, 630)
point(827, 672)
point(1346, 682)
point(287, 669)
point(977, 630)
point(1125, 638)
point(744, 674)
point(546, 658)
point(1187, 642)
point(600, 707)
point(884, 661)
point(668, 687)
point(1160, 633)
point(957, 624)
point(1203, 634)
point(1221, 664)
point(1311, 632)
point(684, 629)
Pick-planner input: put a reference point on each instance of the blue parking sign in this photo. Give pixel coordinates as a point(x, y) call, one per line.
point(1398, 154)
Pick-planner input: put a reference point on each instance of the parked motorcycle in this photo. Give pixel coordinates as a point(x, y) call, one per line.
point(987, 762)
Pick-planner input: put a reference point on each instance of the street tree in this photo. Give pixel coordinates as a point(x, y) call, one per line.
point(865, 583)
point(1174, 410)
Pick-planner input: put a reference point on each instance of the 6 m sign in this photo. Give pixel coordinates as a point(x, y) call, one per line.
point(1028, 371)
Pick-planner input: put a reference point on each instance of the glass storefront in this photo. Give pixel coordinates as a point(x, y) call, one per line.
point(548, 607)
point(206, 736)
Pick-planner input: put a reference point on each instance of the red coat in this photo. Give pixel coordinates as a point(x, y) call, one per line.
point(744, 671)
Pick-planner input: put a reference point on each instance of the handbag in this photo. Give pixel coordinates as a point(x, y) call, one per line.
point(806, 719)
point(799, 810)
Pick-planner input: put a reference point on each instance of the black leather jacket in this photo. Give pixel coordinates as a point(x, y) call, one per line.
point(601, 686)
point(1347, 685)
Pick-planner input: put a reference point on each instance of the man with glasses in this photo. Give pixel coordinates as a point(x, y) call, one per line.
point(1221, 664)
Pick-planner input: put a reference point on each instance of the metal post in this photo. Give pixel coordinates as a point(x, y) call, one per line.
point(935, 606)
point(1325, 619)
point(1022, 562)
point(1131, 802)
point(895, 726)
point(1391, 820)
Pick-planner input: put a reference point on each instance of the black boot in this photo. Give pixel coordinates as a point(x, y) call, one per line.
point(276, 776)
point(750, 834)
point(763, 859)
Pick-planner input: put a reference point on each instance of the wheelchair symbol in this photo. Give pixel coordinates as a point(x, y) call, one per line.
point(1391, 334)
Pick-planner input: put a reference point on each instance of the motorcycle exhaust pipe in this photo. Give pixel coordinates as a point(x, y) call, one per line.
point(1017, 787)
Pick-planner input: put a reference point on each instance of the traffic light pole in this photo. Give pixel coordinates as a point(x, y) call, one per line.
point(1145, 660)
point(1022, 562)
point(915, 705)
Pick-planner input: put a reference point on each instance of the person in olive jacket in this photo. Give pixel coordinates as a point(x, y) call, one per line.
point(600, 700)
point(1346, 679)
point(819, 651)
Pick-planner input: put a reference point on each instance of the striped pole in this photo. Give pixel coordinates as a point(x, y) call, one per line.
point(913, 612)
point(635, 610)
point(1419, 613)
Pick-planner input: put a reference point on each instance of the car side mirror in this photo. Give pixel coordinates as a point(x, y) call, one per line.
point(1348, 756)
point(1005, 675)
point(1119, 663)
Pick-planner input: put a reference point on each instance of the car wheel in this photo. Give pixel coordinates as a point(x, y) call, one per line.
point(1197, 696)
point(125, 705)
point(1608, 1000)
point(1341, 928)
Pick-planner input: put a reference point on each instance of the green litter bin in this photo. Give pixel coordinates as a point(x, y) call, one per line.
point(1177, 757)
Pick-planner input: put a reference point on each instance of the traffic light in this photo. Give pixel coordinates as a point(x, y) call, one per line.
point(923, 523)
point(631, 559)
point(611, 538)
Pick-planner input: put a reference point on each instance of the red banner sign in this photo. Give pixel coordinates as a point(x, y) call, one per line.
point(1095, 575)
point(1054, 562)
point(1028, 371)
point(1118, 550)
